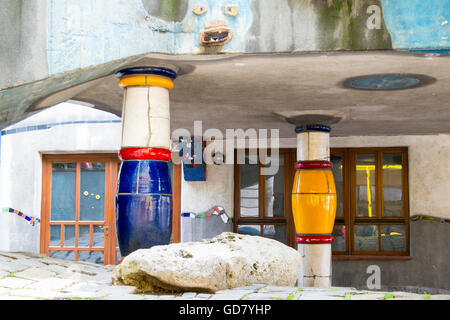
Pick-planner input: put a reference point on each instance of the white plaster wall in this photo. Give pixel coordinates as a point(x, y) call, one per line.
point(21, 165)
point(217, 190)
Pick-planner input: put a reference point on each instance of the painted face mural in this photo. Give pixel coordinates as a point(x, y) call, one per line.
point(217, 23)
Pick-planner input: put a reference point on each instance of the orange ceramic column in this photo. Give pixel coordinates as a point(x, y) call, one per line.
point(314, 204)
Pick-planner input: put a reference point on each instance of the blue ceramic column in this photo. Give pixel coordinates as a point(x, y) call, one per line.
point(144, 191)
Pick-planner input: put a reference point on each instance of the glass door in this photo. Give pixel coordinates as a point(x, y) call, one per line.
point(78, 222)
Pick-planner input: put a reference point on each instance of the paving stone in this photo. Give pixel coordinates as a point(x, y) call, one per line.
point(85, 287)
point(3, 273)
point(80, 295)
point(13, 255)
point(295, 295)
point(35, 274)
point(253, 287)
point(268, 296)
point(31, 263)
point(125, 297)
point(439, 297)
point(14, 283)
point(59, 262)
point(104, 277)
point(277, 289)
point(151, 297)
point(4, 259)
point(117, 290)
point(12, 266)
point(76, 277)
point(35, 293)
point(4, 291)
point(51, 284)
point(317, 296)
point(189, 295)
point(109, 267)
point(59, 270)
point(167, 297)
point(398, 295)
point(32, 255)
point(15, 298)
point(377, 296)
point(235, 291)
point(229, 296)
point(203, 296)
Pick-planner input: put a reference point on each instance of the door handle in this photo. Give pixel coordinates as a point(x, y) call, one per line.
point(105, 229)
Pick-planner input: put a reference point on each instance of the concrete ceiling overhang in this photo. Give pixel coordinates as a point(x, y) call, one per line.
point(261, 90)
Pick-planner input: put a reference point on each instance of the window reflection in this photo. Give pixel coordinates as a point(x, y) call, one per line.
point(393, 238)
point(275, 192)
point(365, 185)
point(249, 176)
point(337, 161)
point(63, 191)
point(392, 185)
point(339, 238)
point(366, 238)
point(250, 229)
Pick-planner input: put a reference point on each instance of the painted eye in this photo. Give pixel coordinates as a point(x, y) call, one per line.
point(231, 11)
point(199, 10)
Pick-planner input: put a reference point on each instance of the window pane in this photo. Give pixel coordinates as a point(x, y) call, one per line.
point(276, 232)
point(98, 238)
point(275, 192)
point(339, 238)
point(365, 185)
point(69, 236)
point(65, 255)
point(91, 256)
point(55, 236)
point(92, 191)
point(83, 236)
point(249, 189)
point(393, 238)
point(337, 161)
point(63, 191)
point(366, 238)
point(392, 185)
point(253, 230)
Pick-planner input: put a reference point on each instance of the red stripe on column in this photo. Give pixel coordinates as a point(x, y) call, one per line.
point(314, 239)
point(145, 154)
point(314, 164)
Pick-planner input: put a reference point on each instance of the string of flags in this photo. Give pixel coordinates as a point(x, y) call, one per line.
point(216, 210)
point(31, 220)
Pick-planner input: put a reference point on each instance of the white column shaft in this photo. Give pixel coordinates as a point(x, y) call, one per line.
point(316, 258)
point(313, 145)
point(316, 266)
point(146, 117)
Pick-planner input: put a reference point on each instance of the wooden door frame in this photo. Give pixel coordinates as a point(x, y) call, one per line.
point(112, 161)
point(111, 164)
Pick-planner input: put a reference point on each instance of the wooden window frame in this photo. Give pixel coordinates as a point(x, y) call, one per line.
point(348, 220)
point(262, 219)
point(349, 205)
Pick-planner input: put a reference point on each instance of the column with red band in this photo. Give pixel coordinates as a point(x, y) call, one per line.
point(144, 190)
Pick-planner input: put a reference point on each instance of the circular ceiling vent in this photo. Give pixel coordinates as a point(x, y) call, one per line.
point(389, 81)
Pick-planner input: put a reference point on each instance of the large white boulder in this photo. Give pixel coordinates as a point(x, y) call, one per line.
point(227, 261)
